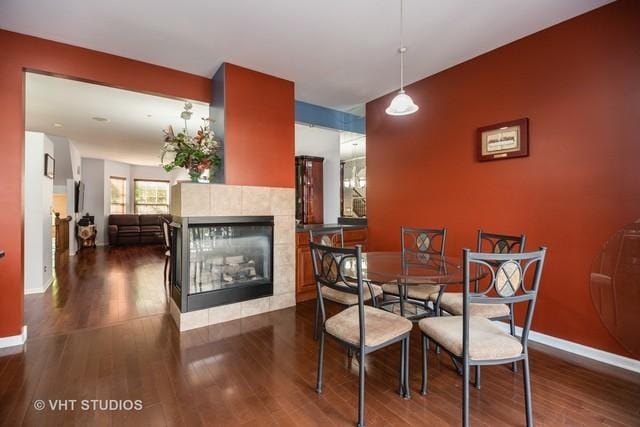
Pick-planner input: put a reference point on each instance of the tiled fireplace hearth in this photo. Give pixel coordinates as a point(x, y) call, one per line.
point(229, 231)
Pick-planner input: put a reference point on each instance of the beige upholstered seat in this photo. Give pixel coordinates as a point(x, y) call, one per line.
point(486, 340)
point(347, 298)
point(380, 326)
point(451, 302)
point(419, 292)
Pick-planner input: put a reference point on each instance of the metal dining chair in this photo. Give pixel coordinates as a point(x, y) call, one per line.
point(334, 237)
point(166, 232)
point(472, 340)
point(417, 244)
point(361, 328)
point(452, 302)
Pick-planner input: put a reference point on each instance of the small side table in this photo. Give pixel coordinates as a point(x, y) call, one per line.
point(86, 236)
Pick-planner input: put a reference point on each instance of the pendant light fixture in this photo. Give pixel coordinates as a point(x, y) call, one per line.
point(401, 104)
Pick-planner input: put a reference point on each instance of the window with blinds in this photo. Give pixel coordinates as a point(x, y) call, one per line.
point(151, 196)
point(118, 195)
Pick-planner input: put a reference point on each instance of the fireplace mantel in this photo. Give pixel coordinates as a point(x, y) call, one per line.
point(217, 200)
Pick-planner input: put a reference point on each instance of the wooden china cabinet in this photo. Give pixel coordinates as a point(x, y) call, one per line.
point(309, 189)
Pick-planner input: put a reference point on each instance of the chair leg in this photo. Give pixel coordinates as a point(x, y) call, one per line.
point(425, 351)
point(402, 367)
point(439, 311)
point(407, 388)
point(166, 264)
point(361, 393)
point(527, 391)
point(512, 325)
point(315, 320)
point(320, 363)
point(477, 381)
point(465, 394)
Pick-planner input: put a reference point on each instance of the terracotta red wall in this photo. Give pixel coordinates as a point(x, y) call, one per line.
point(259, 129)
point(579, 84)
point(17, 53)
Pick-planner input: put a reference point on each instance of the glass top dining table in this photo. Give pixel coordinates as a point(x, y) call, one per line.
point(409, 269)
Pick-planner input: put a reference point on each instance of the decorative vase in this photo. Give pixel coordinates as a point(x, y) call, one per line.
point(194, 174)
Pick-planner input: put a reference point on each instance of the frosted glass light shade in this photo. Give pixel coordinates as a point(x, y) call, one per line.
point(401, 105)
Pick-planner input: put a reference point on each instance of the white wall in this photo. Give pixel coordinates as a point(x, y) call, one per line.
point(122, 170)
point(319, 142)
point(76, 161)
point(71, 207)
point(96, 174)
point(93, 178)
point(38, 200)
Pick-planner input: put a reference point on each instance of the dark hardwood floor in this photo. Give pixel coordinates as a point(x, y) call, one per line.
point(104, 333)
point(99, 287)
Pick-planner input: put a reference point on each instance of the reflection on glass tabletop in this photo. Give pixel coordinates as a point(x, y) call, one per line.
point(410, 268)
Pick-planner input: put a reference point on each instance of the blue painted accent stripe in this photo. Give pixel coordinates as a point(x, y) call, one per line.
point(328, 118)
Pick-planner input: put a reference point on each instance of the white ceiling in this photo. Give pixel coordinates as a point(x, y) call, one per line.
point(133, 133)
point(339, 53)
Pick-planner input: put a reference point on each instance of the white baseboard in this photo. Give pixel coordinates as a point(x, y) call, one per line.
point(14, 340)
point(580, 350)
point(40, 290)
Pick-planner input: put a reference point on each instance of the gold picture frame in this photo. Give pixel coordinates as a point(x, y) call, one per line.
point(504, 140)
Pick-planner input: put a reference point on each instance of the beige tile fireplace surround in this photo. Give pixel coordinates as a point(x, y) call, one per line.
point(190, 199)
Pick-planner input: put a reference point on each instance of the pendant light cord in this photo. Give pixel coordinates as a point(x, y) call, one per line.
point(402, 48)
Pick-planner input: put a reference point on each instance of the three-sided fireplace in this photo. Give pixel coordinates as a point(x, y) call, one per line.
point(220, 260)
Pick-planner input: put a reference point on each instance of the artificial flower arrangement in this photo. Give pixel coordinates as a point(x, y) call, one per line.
point(197, 153)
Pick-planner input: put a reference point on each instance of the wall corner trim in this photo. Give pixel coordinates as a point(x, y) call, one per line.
point(14, 340)
point(41, 290)
point(579, 349)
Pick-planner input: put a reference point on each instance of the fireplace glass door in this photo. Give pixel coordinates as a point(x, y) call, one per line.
point(226, 256)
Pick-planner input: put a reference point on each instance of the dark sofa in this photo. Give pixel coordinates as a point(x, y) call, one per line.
point(128, 229)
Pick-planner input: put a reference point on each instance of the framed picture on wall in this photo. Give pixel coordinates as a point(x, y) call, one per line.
point(504, 140)
point(49, 166)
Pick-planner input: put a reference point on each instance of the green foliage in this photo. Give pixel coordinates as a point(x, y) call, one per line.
point(196, 153)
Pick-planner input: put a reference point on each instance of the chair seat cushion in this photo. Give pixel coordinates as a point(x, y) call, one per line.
point(347, 298)
point(380, 326)
point(419, 292)
point(486, 340)
point(451, 302)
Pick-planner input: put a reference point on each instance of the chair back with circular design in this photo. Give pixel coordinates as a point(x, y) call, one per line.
point(499, 244)
point(423, 240)
point(329, 264)
point(508, 278)
point(419, 244)
point(333, 236)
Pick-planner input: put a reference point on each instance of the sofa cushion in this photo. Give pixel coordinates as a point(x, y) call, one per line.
point(123, 219)
point(150, 219)
point(146, 229)
point(128, 229)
